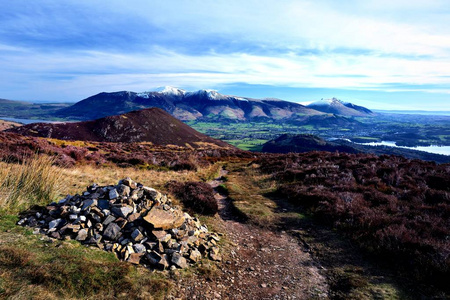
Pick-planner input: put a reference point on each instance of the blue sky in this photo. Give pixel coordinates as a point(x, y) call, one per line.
point(382, 54)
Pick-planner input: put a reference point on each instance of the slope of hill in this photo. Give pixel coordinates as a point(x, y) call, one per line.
point(336, 106)
point(299, 143)
point(8, 124)
point(185, 105)
point(23, 109)
point(148, 125)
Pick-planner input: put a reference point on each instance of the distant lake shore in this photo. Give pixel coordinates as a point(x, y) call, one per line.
point(444, 150)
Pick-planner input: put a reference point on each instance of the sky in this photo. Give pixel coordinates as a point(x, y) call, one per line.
point(381, 54)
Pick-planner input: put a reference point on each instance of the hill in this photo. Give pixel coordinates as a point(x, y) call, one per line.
point(299, 143)
point(149, 125)
point(8, 124)
point(26, 110)
point(338, 107)
point(202, 104)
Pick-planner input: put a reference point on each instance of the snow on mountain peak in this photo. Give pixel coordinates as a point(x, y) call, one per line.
point(169, 90)
point(327, 102)
point(166, 90)
point(211, 94)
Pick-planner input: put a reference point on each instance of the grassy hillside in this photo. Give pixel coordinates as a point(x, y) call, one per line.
point(32, 266)
point(374, 227)
point(28, 110)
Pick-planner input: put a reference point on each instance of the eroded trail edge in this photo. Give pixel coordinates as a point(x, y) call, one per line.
point(257, 263)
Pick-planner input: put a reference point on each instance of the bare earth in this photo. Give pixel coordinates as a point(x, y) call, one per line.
point(258, 264)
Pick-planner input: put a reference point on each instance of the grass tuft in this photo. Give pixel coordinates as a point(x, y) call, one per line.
point(35, 181)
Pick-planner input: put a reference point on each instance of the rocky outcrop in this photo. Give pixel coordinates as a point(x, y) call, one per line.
point(137, 223)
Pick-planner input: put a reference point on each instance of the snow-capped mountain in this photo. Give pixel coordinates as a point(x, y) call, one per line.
point(207, 104)
point(165, 90)
point(338, 107)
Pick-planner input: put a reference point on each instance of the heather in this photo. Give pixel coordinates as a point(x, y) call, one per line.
point(196, 196)
point(396, 208)
point(16, 148)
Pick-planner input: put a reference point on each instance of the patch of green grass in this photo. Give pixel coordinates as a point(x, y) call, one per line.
point(35, 268)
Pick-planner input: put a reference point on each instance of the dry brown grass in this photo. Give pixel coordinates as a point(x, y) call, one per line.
point(78, 178)
point(7, 125)
point(35, 181)
point(248, 189)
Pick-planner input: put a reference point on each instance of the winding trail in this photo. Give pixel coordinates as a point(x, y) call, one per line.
point(258, 264)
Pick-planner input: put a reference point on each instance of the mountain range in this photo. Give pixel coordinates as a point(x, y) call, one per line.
point(147, 125)
point(202, 104)
point(338, 107)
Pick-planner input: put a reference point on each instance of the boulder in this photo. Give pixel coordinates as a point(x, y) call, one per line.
point(113, 194)
point(122, 211)
point(112, 232)
point(178, 260)
point(137, 235)
point(164, 219)
point(135, 258)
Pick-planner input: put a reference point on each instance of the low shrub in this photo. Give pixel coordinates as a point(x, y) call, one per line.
point(396, 208)
point(196, 196)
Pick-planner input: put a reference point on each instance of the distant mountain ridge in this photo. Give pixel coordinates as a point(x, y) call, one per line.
point(202, 104)
point(148, 125)
point(338, 107)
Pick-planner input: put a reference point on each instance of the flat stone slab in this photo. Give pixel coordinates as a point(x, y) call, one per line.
point(164, 219)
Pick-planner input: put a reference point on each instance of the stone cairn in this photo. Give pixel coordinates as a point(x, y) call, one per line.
point(137, 223)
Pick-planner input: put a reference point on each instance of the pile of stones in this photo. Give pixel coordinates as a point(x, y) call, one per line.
point(137, 223)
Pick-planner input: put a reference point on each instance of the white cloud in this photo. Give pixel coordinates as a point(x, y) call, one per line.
point(392, 45)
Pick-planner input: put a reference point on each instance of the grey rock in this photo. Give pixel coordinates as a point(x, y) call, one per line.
point(195, 255)
point(108, 220)
point(103, 204)
point(122, 211)
point(152, 193)
point(113, 194)
point(123, 190)
point(157, 260)
point(128, 182)
point(112, 232)
point(95, 238)
point(22, 221)
point(82, 235)
point(54, 223)
point(139, 248)
point(88, 203)
point(95, 218)
point(55, 235)
point(215, 257)
point(137, 235)
point(179, 260)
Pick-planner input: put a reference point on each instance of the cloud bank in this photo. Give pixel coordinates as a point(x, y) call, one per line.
point(68, 50)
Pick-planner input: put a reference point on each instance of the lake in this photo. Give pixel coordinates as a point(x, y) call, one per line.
point(445, 150)
point(26, 121)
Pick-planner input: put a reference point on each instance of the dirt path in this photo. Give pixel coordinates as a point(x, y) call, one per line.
point(259, 264)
